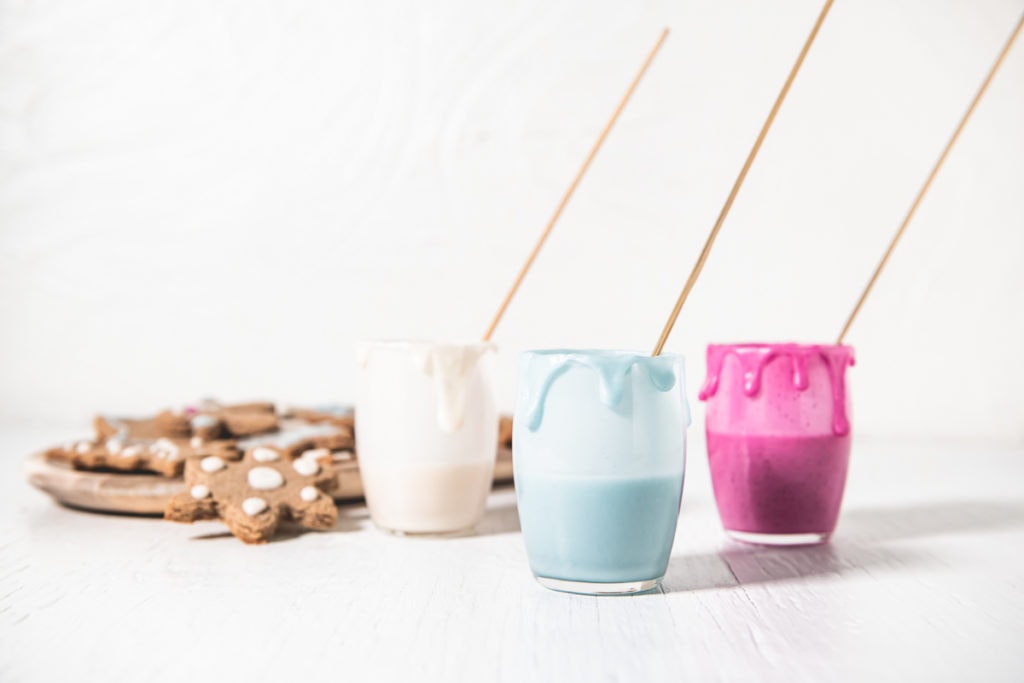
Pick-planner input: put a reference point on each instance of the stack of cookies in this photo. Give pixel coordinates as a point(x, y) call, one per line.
point(251, 465)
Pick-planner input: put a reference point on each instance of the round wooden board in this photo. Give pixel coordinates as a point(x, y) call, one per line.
point(147, 494)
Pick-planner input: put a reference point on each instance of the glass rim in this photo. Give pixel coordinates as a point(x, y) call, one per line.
point(793, 346)
point(397, 344)
point(606, 353)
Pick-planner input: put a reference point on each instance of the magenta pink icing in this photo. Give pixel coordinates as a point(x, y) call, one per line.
point(755, 358)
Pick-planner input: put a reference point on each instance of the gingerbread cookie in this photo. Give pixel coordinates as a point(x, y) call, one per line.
point(130, 454)
point(211, 420)
point(254, 495)
point(165, 424)
point(296, 436)
point(505, 431)
point(341, 415)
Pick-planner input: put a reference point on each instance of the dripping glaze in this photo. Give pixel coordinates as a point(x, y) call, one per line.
point(754, 358)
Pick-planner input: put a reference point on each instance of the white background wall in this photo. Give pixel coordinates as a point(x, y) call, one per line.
point(221, 197)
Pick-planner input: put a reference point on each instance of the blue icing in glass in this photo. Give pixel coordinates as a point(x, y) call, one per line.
point(613, 369)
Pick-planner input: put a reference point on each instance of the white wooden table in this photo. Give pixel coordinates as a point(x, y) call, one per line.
point(923, 581)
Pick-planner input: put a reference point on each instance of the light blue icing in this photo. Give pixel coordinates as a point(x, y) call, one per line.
point(613, 369)
point(338, 409)
point(203, 421)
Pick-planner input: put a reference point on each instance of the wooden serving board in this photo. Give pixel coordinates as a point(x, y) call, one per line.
point(147, 494)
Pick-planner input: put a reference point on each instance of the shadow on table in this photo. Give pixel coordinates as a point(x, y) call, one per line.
point(917, 521)
point(737, 566)
point(500, 519)
point(862, 542)
point(350, 518)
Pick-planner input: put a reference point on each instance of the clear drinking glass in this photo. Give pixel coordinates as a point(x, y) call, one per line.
point(599, 451)
point(427, 423)
point(778, 438)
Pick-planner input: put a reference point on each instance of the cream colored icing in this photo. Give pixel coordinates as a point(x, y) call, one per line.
point(265, 478)
point(316, 453)
point(165, 449)
point(211, 464)
point(307, 467)
point(263, 454)
point(254, 506)
point(450, 366)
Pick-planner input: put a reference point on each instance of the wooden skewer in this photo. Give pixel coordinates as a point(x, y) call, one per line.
point(575, 182)
point(706, 251)
point(931, 176)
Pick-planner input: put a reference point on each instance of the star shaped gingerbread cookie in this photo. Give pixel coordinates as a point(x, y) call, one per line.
point(254, 495)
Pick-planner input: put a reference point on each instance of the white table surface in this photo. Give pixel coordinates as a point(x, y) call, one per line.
point(924, 580)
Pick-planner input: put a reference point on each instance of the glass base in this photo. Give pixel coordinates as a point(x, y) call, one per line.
point(592, 588)
point(778, 539)
point(458, 533)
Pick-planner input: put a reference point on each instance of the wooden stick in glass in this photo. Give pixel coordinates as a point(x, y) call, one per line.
point(931, 176)
point(572, 187)
point(706, 251)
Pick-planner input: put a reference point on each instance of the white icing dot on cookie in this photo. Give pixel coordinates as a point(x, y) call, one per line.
point(211, 464)
point(203, 421)
point(83, 447)
point(316, 453)
point(165, 449)
point(265, 478)
point(253, 506)
point(196, 442)
point(306, 467)
point(265, 455)
point(131, 452)
point(199, 491)
point(114, 446)
point(309, 494)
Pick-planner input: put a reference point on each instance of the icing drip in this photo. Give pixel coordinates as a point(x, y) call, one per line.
point(450, 365)
point(755, 358)
point(613, 370)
